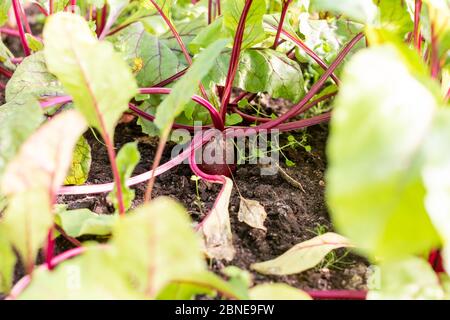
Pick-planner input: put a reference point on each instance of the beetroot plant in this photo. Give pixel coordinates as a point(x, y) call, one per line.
point(198, 68)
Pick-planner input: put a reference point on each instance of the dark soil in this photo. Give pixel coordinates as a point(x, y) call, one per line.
point(294, 215)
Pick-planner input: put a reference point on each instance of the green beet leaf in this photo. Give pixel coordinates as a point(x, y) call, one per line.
point(203, 282)
point(97, 78)
point(91, 276)
point(151, 59)
point(82, 222)
point(395, 17)
point(31, 180)
point(137, 263)
point(381, 118)
point(262, 70)
point(208, 35)
point(127, 159)
point(32, 77)
point(254, 31)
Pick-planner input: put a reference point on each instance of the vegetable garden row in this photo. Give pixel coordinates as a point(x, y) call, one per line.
point(306, 139)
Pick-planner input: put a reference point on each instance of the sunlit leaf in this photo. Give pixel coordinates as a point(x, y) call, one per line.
point(87, 277)
point(144, 252)
point(208, 35)
point(97, 78)
point(165, 5)
point(4, 9)
point(81, 163)
point(31, 181)
point(363, 11)
point(375, 192)
point(138, 263)
point(394, 16)
point(408, 279)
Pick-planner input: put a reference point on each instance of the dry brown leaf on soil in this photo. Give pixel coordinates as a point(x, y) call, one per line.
point(216, 227)
point(303, 256)
point(252, 213)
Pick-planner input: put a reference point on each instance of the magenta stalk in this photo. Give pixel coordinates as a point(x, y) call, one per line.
point(434, 58)
point(417, 36)
point(41, 8)
point(260, 119)
point(171, 79)
point(51, 6)
point(10, 32)
point(284, 11)
point(73, 4)
point(5, 72)
point(337, 294)
point(23, 39)
point(234, 60)
point(24, 18)
point(210, 14)
point(219, 8)
point(17, 60)
point(23, 283)
point(50, 249)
